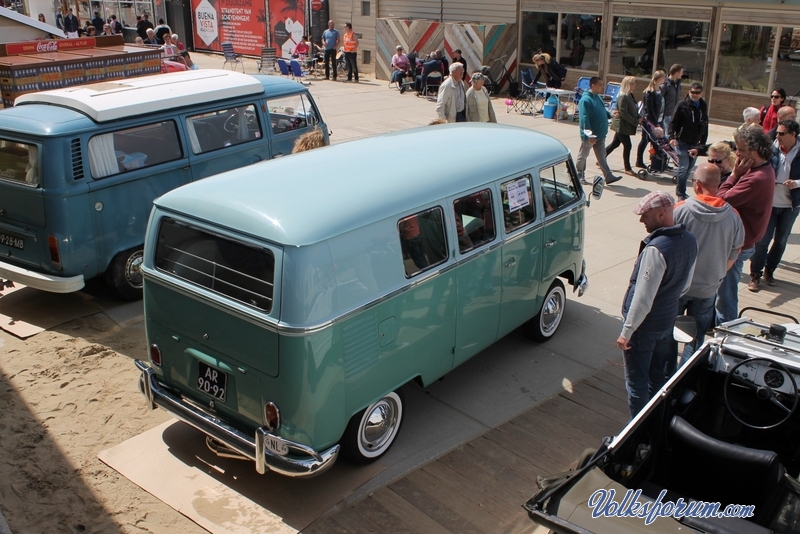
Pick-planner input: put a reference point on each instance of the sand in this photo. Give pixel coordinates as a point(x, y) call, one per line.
point(67, 394)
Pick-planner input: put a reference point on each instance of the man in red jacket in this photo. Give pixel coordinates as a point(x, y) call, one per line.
point(749, 190)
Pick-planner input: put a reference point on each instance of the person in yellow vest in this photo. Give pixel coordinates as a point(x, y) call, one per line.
point(350, 52)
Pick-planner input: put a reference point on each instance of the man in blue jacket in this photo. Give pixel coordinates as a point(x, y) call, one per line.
point(593, 128)
point(785, 207)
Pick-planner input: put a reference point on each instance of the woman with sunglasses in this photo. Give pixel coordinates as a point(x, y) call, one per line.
point(687, 132)
point(723, 156)
point(769, 113)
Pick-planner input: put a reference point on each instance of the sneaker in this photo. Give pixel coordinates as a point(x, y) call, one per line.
point(585, 182)
point(768, 279)
point(611, 179)
point(753, 285)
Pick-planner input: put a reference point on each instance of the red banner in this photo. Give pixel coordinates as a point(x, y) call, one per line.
point(287, 20)
point(242, 22)
point(34, 47)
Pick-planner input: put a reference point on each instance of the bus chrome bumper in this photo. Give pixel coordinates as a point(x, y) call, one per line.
point(583, 281)
point(41, 281)
point(302, 461)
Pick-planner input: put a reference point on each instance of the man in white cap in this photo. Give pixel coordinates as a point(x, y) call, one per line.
point(661, 275)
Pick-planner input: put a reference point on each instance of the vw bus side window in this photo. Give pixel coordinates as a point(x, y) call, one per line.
point(559, 187)
point(423, 241)
point(518, 207)
point(223, 128)
point(474, 220)
point(231, 268)
point(291, 113)
point(19, 162)
point(134, 148)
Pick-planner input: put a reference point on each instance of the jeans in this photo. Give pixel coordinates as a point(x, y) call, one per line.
point(599, 153)
point(397, 76)
point(685, 164)
point(350, 58)
point(667, 120)
point(702, 309)
point(625, 141)
point(728, 292)
point(645, 366)
point(330, 62)
point(780, 226)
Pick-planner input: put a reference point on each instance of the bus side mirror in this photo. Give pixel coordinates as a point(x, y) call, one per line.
point(685, 329)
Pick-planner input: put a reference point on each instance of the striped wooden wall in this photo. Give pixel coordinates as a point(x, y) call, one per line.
point(422, 36)
point(479, 44)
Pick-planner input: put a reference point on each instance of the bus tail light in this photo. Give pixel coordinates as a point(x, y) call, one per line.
point(55, 254)
point(272, 416)
point(155, 355)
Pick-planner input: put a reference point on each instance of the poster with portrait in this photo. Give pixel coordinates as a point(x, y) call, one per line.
point(242, 22)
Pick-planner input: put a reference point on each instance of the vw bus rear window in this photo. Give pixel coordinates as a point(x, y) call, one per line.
point(239, 271)
point(19, 162)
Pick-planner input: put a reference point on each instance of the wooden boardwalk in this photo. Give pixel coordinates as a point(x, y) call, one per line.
point(480, 486)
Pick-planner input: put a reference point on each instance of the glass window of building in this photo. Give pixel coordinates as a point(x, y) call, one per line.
point(787, 66)
point(685, 42)
point(579, 46)
point(539, 34)
point(633, 47)
point(745, 57)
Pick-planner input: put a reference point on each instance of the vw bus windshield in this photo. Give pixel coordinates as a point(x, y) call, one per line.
point(242, 272)
point(19, 162)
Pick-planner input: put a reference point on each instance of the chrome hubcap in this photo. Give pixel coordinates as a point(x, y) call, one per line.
point(551, 312)
point(379, 425)
point(133, 269)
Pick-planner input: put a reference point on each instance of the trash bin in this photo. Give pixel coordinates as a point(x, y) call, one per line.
point(551, 107)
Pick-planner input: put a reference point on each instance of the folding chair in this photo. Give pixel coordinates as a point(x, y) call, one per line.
point(231, 56)
point(284, 68)
point(431, 83)
point(267, 62)
point(524, 102)
point(610, 96)
point(297, 71)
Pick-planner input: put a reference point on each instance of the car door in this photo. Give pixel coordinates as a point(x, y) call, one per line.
point(290, 117)
point(478, 271)
point(226, 138)
point(562, 197)
point(523, 226)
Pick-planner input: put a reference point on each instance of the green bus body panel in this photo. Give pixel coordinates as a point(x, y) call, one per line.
point(522, 259)
point(478, 311)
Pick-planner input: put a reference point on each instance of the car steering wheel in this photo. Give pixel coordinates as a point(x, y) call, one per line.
point(231, 124)
point(764, 393)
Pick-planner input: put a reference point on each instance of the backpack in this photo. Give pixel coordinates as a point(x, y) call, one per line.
point(558, 69)
point(763, 114)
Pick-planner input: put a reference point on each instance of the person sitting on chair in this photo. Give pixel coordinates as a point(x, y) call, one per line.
point(433, 64)
point(400, 66)
point(302, 48)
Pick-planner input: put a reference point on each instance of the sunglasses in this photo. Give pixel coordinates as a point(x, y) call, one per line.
point(696, 92)
point(714, 161)
point(775, 96)
point(782, 133)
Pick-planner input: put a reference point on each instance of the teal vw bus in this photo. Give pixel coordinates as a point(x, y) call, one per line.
point(80, 166)
point(287, 302)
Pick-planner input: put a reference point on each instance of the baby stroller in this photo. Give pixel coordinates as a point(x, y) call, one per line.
point(661, 152)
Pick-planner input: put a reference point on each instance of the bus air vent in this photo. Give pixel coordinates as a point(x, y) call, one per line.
point(77, 159)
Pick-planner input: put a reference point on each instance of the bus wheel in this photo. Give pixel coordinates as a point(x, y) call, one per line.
point(372, 431)
point(544, 325)
point(124, 275)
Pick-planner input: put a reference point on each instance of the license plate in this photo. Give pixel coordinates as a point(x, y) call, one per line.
point(211, 380)
point(276, 445)
point(12, 241)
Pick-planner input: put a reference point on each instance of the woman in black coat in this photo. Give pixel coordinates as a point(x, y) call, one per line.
point(653, 107)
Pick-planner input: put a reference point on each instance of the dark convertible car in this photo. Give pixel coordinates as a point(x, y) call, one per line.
point(717, 450)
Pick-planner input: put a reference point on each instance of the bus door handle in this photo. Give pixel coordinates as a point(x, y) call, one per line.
point(550, 243)
point(510, 263)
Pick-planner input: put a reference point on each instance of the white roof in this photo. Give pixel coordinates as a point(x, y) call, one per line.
point(107, 101)
point(46, 29)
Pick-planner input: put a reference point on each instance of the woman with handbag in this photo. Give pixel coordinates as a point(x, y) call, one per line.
point(625, 122)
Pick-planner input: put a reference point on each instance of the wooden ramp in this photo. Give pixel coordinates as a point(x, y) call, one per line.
point(480, 486)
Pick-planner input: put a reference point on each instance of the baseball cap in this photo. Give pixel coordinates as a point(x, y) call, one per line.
point(656, 199)
point(398, 47)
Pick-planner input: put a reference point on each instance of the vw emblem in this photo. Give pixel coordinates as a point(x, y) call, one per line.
point(211, 404)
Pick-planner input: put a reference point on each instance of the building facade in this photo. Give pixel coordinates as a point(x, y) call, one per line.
point(739, 51)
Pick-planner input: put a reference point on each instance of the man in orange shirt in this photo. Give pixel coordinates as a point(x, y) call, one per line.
point(350, 52)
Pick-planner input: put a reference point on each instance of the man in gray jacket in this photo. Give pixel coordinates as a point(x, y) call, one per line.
point(719, 233)
point(671, 91)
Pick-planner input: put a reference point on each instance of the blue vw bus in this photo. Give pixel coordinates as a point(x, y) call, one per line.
point(287, 302)
point(80, 167)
